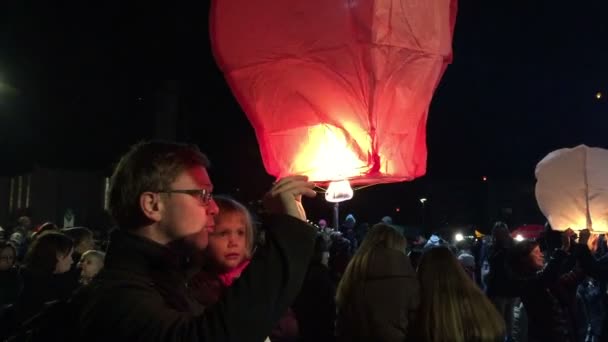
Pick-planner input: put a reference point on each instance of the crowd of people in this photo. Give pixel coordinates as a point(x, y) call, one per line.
point(186, 265)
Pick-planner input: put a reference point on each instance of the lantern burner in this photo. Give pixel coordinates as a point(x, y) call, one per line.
point(339, 191)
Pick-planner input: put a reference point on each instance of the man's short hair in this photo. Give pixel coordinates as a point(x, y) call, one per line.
point(148, 166)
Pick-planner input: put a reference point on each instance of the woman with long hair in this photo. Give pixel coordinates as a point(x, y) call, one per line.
point(378, 294)
point(452, 307)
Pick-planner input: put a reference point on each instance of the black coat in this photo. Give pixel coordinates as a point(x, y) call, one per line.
point(141, 295)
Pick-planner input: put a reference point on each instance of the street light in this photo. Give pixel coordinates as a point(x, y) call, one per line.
point(423, 201)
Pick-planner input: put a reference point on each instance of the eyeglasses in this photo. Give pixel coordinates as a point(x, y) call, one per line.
point(203, 195)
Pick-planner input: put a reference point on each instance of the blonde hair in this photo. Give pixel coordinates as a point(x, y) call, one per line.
point(101, 256)
point(379, 236)
point(229, 206)
point(452, 307)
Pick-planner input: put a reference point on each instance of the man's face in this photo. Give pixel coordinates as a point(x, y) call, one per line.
point(185, 214)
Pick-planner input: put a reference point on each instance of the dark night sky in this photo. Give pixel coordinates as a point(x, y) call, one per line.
point(523, 83)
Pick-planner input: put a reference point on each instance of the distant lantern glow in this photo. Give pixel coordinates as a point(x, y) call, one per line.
point(484, 178)
point(458, 237)
point(598, 95)
point(397, 209)
point(519, 237)
point(339, 191)
point(423, 200)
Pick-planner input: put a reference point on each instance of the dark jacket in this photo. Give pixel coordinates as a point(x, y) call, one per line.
point(498, 282)
point(41, 290)
point(315, 306)
point(381, 307)
point(141, 295)
point(10, 286)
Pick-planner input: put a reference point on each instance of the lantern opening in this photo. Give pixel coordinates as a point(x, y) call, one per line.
point(339, 191)
point(331, 153)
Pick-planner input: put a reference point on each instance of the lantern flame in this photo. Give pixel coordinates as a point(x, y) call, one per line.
point(331, 153)
point(339, 191)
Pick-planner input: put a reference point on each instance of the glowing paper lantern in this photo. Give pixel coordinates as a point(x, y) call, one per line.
point(336, 89)
point(572, 188)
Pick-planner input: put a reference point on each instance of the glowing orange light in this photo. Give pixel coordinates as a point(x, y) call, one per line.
point(598, 95)
point(330, 154)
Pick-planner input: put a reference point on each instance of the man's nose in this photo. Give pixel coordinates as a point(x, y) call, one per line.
point(212, 208)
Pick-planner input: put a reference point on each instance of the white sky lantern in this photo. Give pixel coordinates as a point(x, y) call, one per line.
point(572, 188)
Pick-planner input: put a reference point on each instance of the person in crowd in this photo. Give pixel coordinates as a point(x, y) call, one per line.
point(10, 280)
point(378, 295)
point(160, 193)
point(47, 262)
point(227, 255)
point(43, 228)
point(498, 289)
point(452, 306)
point(547, 291)
point(315, 306)
point(83, 240)
point(90, 264)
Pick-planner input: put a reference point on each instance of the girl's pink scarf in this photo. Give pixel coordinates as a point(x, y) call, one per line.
point(228, 278)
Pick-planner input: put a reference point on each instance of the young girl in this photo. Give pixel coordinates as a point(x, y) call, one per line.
point(90, 264)
point(228, 253)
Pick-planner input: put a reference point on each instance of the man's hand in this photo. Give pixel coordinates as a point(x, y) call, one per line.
point(566, 239)
point(285, 196)
point(593, 243)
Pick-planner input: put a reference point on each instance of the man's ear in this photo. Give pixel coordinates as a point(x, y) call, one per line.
point(151, 205)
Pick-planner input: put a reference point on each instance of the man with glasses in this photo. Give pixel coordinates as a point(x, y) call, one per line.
point(160, 193)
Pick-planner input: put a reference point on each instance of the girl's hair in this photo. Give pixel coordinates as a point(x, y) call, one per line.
point(41, 258)
point(379, 236)
point(229, 206)
point(452, 307)
point(94, 253)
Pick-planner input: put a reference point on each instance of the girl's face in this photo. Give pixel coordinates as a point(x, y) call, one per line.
point(227, 244)
point(537, 259)
point(7, 258)
point(64, 262)
point(89, 266)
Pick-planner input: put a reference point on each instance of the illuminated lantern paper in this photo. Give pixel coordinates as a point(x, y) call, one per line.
point(572, 188)
point(336, 89)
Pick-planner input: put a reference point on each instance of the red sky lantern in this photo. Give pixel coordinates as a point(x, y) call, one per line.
point(336, 89)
